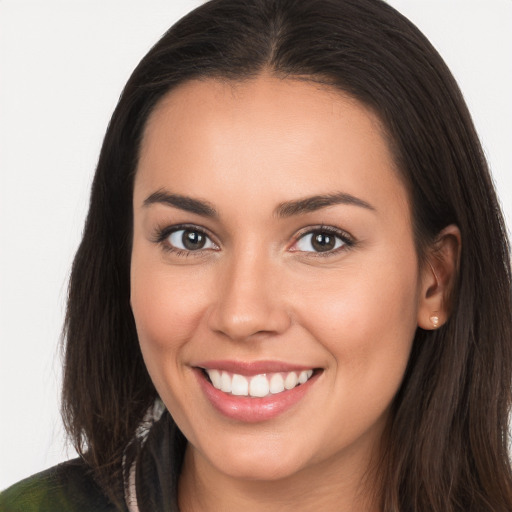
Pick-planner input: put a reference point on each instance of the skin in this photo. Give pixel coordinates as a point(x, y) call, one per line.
point(260, 292)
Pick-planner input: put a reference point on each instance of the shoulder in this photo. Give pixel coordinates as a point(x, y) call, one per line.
point(66, 487)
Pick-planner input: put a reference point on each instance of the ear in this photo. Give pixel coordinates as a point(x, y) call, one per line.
point(438, 277)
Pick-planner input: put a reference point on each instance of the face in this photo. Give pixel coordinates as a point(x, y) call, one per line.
point(274, 277)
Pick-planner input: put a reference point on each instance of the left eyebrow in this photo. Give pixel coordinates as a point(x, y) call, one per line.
point(185, 203)
point(313, 203)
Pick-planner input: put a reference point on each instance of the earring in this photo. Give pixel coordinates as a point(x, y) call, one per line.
point(434, 319)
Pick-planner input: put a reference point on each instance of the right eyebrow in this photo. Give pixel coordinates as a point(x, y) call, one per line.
point(314, 203)
point(185, 203)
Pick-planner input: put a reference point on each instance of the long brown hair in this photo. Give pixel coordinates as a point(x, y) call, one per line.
point(448, 435)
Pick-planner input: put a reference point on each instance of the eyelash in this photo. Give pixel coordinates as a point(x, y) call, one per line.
point(162, 234)
point(347, 240)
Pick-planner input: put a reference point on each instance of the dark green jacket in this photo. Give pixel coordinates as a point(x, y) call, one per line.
point(67, 487)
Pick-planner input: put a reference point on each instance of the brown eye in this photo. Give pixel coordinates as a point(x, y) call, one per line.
point(323, 241)
point(189, 240)
point(192, 240)
point(320, 240)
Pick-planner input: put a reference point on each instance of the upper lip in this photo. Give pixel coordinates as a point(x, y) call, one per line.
point(249, 368)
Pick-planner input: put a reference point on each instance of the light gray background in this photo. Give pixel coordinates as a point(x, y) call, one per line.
point(62, 67)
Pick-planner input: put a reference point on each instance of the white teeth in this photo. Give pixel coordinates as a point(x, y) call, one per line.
point(291, 380)
point(276, 383)
point(239, 385)
point(216, 378)
point(258, 385)
point(225, 382)
point(303, 376)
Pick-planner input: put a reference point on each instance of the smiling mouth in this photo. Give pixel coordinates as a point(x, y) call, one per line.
point(256, 386)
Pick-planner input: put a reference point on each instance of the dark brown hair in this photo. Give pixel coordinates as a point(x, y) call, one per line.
point(448, 435)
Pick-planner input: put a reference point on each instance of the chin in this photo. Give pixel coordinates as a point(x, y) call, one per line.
point(257, 464)
point(259, 470)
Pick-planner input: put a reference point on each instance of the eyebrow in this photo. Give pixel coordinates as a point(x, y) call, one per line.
point(286, 209)
point(188, 204)
point(313, 203)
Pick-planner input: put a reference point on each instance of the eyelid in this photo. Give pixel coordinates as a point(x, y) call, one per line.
point(161, 235)
point(347, 239)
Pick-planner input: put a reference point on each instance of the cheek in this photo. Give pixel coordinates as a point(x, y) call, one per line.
point(363, 304)
point(167, 310)
point(366, 320)
point(166, 307)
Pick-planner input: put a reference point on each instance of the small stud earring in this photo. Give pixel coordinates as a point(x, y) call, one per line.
point(435, 321)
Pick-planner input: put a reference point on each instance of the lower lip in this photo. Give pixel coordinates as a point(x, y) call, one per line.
point(251, 409)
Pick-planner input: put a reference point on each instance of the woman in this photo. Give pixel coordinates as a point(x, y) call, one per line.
point(331, 335)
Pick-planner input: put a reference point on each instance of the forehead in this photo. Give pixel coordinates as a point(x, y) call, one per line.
point(278, 105)
point(265, 136)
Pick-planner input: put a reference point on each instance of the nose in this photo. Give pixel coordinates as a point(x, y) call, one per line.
point(249, 300)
